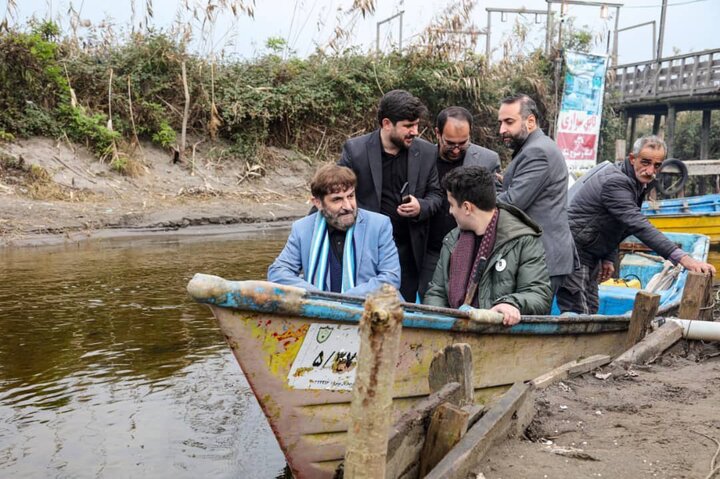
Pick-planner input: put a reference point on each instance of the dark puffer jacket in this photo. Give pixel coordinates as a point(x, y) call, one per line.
point(606, 210)
point(521, 279)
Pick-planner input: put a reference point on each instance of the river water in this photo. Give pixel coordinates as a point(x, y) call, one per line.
point(108, 369)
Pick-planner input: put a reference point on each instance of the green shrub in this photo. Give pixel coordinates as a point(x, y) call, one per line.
point(165, 136)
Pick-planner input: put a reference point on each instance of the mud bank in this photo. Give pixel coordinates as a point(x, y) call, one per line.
point(659, 420)
point(80, 197)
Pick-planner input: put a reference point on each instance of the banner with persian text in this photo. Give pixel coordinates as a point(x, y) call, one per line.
point(578, 125)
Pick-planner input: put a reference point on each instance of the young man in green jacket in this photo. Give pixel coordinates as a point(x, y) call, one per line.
point(494, 259)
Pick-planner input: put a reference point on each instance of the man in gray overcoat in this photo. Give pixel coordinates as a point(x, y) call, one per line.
point(536, 181)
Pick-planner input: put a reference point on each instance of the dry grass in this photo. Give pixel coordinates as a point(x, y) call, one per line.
point(35, 182)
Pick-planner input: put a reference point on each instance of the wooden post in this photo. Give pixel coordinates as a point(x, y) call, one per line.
point(407, 436)
point(453, 364)
point(447, 426)
point(620, 150)
point(705, 134)
point(651, 346)
point(633, 121)
point(371, 407)
point(496, 423)
point(656, 123)
point(696, 295)
point(646, 306)
point(186, 112)
point(670, 130)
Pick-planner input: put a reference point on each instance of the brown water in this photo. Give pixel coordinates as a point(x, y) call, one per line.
point(107, 369)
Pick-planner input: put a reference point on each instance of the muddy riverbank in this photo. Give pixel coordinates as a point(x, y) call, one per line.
point(53, 192)
point(653, 421)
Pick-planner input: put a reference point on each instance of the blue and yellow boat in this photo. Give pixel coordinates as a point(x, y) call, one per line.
point(696, 214)
point(298, 349)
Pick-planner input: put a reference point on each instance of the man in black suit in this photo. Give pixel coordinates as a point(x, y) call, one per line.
point(396, 176)
point(452, 129)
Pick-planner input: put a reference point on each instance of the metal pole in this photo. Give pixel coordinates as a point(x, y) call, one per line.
point(377, 30)
point(401, 22)
point(548, 29)
point(615, 37)
point(654, 40)
point(487, 40)
point(661, 38)
point(377, 39)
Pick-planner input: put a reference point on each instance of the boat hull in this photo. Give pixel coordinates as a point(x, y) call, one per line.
point(695, 214)
point(297, 349)
point(708, 225)
point(311, 424)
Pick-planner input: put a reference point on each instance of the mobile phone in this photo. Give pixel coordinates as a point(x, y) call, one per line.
point(404, 198)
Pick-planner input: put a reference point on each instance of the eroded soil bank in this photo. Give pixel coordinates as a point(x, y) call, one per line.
point(660, 420)
point(53, 192)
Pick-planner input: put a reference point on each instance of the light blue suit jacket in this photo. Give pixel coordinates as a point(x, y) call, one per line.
point(376, 257)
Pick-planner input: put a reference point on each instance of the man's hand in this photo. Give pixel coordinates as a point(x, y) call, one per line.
point(691, 264)
point(606, 271)
point(410, 209)
point(511, 315)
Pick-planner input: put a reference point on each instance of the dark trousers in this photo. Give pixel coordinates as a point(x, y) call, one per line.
point(556, 282)
point(579, 291)
point(409, 278)
point(428, 269)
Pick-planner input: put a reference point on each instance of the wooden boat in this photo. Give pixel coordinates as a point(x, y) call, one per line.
point(298, 350)
point(696, 214)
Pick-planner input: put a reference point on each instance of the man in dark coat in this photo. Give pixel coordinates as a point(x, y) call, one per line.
point(396, 176)
point(536, 181)
point(452, 129)
point(603, 212)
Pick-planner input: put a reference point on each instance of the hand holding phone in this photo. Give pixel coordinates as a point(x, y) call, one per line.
point(404, 196)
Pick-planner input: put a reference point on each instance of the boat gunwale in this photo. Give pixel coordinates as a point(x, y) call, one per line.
point(270, 298)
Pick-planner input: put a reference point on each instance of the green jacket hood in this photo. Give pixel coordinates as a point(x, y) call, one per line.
point(512, 223)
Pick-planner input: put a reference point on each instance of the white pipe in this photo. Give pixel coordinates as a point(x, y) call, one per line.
point(703, 330)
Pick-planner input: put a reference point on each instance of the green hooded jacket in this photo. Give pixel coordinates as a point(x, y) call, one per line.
point(515, 273)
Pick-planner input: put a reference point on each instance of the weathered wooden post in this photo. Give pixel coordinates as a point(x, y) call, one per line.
point(371, 408)
point(453, 364)
point(449, 422)
point(644, 310)
point(696, 297)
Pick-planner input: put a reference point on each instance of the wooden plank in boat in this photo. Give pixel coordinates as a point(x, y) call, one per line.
point(570, 369)
point(461, 460)
point(447, 426)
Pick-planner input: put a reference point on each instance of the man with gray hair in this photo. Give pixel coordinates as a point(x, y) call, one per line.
point(603, 212)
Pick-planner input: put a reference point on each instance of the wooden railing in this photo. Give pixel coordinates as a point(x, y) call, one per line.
point(682, 75)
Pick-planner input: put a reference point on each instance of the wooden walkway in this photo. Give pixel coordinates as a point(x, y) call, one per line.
point(690, 78)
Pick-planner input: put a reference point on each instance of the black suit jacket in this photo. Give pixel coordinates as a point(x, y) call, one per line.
point(363, 155)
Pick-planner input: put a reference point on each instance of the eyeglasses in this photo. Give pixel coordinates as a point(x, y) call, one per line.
point(645, 162)
point(449, 146)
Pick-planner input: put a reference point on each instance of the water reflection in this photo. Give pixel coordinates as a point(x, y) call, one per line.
point(108, 369)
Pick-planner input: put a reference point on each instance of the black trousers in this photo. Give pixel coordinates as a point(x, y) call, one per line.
point(409, 276)
point(428, 269)
point(579, 292)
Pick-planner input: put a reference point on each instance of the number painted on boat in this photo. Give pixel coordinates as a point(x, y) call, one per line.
point(327, 358)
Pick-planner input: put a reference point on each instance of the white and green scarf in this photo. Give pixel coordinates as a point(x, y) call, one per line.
point(319, 248)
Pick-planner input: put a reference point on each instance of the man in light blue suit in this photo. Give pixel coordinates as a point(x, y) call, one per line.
point(339, 248)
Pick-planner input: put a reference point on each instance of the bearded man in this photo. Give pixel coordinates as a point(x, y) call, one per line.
point(397, 176)
point(536, 181)
point(340, 247)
